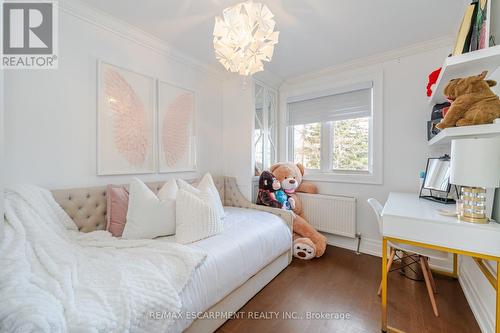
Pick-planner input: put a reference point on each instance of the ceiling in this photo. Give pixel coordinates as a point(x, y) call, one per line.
point(314, 34)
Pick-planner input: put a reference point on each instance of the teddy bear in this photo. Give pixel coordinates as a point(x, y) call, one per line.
point(303, 248)
point(305, 235)
point(472, 102)
point(268, 184)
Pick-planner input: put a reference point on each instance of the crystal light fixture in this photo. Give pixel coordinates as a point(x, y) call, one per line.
point(244, 37)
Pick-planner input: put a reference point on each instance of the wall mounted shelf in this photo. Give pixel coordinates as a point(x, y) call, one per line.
point(467, 64)
point(476, 131)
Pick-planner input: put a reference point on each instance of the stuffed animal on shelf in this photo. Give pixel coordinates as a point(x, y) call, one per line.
point(268, 185)
point(290, 177)
point(472, 102)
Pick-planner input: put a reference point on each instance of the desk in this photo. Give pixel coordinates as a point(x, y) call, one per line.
point(410, 220)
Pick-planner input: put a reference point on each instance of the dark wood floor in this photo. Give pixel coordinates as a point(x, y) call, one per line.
point(343, 282)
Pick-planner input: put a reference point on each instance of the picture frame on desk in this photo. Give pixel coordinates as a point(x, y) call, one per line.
point(437, 181)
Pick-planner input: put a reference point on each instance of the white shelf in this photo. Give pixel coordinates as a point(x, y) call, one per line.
point(476, 131)
point(467, 64)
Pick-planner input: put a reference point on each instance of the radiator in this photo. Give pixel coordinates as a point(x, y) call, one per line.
point(331, 214)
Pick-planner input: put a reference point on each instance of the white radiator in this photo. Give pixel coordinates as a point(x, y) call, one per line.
point(331, 214)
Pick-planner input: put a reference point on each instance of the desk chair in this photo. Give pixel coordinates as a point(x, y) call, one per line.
point(422, 253)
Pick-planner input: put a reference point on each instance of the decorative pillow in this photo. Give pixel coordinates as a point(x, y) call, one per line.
point(206, 184)
point(116, 210)
point(197, 216)
point(148, 215)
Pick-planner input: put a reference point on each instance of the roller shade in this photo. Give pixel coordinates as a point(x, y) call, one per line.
point(348, 103)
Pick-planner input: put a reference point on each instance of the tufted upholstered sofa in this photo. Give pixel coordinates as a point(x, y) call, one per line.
point(87, 208)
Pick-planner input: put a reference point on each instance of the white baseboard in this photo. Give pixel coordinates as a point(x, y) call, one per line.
point(374, 247)
point(476, 301)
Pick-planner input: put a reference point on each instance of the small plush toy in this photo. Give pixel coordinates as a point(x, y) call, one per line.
point(290, 177)
point(268, 185)
point(283, 198)
point(472, 102)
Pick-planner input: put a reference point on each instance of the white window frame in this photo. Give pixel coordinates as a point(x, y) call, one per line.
point(374, 175)
point(265, 126)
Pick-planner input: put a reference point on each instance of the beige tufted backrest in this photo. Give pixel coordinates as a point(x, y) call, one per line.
point(87, 206)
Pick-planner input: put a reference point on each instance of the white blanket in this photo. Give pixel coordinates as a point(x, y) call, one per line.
point(55, 279)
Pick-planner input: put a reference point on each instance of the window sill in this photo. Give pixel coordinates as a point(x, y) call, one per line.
point(355, 178)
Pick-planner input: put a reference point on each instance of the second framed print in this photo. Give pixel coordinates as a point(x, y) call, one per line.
point(176, 128)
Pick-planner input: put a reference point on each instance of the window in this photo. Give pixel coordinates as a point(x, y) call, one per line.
point(332, 132)
point(265, 129)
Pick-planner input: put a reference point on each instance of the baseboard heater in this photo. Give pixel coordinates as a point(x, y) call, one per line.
point(329, 213)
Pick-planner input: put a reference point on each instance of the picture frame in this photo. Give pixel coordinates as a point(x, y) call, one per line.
point(126, 121)
point(176, 128)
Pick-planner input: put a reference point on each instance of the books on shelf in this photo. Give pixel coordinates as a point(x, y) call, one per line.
point(474, 31)
point(483, 38)
point(463, 39)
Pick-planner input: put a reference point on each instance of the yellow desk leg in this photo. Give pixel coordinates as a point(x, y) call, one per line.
point(455, 265)
point(384, 286)
point(497, 325)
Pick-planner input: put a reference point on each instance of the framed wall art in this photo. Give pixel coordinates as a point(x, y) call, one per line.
point(126, 121)
point(176, 128)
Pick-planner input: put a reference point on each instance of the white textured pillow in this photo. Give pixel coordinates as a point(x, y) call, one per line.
point(148, 215)
point(206, 184)
point(197, 217)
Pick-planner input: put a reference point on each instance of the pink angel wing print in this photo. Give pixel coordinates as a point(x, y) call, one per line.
point(129, 119)
point(176, 128)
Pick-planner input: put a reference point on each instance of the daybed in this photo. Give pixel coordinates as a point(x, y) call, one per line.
point(254, 247)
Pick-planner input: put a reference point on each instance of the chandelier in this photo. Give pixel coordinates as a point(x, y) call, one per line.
point(244, 37)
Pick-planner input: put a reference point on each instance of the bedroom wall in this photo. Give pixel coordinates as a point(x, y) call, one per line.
point(2, 178)
point(51, 114)
point(405, 112)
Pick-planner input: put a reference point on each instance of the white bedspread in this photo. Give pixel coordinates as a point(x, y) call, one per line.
point(55, 279)
point(251, 239)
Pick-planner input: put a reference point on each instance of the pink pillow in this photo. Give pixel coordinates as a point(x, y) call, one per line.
point(116, 210)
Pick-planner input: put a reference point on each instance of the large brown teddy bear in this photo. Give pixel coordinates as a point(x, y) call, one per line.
point(473, 102)
point(308, 242)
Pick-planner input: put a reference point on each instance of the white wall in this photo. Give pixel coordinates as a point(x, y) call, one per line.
point(51, 114)
point(238, 122)
point(2, 177)
point(405, 149)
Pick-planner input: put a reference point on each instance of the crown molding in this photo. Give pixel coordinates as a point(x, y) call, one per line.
point(374, 59)
point(101, 19)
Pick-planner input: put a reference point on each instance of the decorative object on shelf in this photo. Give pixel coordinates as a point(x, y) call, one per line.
point(475, 166)
point(438, 113)
point(437, 180)
point(176, 129)
point(433, 77)
point(473, 102)
point(125, 121)
point(244, 37)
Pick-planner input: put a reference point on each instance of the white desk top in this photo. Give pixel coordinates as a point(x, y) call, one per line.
point(408, 217)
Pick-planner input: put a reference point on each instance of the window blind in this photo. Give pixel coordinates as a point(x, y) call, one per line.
point(348, 103)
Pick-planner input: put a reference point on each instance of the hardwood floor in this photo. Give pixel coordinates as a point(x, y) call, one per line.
point(343, 282)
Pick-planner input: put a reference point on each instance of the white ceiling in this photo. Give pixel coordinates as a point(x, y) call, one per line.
point(314, 34)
